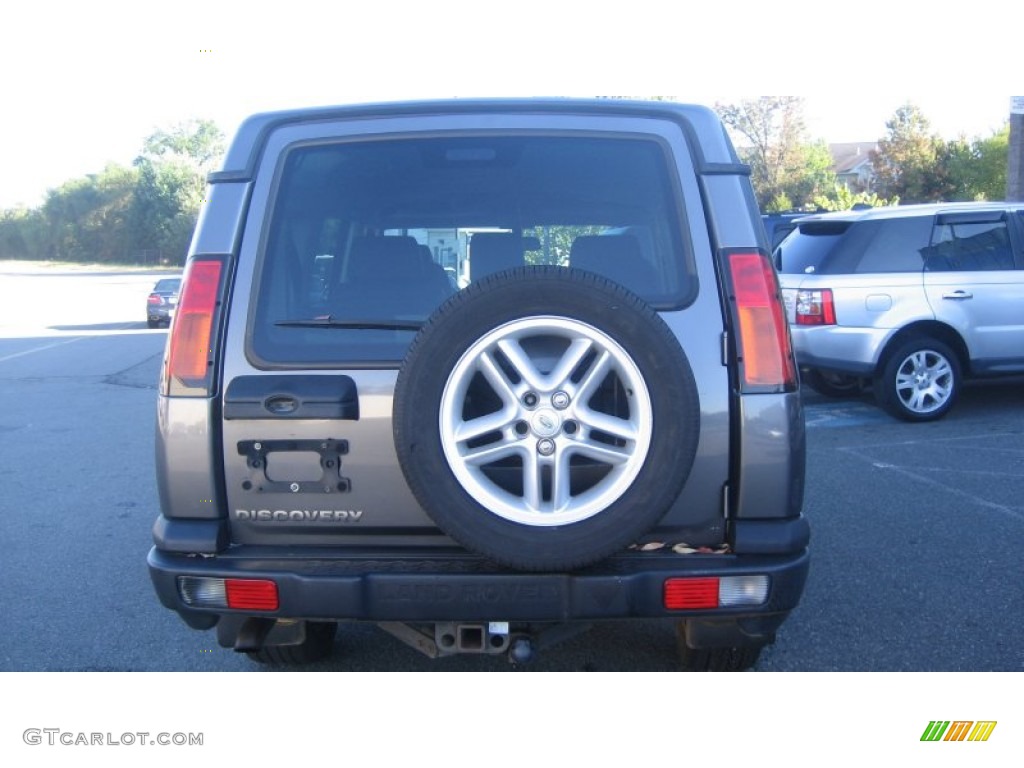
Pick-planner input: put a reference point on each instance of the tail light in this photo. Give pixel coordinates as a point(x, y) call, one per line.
point(154, 299)
point(815, 307)
point(188, 368)
point(240, 594)
point(680, 594)
point(251, 594)
point(763, 344)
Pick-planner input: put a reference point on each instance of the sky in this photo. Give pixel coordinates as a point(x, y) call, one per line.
point(83, 84)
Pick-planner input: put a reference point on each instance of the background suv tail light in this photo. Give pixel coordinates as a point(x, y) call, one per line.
point(762, 344)
point(815, 307)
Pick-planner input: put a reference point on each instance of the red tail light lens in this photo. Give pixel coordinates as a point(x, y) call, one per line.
point(815, 307)
point(763, 346)
point(251, 594)
point(681, 594)
point(190, 346)
point(154, 299)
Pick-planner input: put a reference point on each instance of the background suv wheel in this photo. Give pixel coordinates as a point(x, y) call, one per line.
point(920, 380)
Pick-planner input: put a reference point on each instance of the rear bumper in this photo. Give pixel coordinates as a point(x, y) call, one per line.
point(431, 586)
point(840, 348)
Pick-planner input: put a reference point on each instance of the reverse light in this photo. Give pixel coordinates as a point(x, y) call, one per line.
point(241, 594)
point(724, 592)
point(742, 590)
point(763, 345)
point(815, 307)
point(189, 349)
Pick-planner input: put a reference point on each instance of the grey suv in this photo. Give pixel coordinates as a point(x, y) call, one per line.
point(911, 298)
point(482, 373)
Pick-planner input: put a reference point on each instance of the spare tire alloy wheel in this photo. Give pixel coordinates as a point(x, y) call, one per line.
point(921, 381)
point(561, 415)
point(545, 421)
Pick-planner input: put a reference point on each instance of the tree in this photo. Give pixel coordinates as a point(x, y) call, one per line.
point(118, 213)
point(22, 233)
point(976, 170)
point(86, 217)
point(908, 163)
point(786, 169)
point(196, 142)
point(841, 198)
point(165, 207)
point(172, 169)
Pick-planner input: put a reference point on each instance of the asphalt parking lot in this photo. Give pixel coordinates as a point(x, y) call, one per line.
point(917, 528)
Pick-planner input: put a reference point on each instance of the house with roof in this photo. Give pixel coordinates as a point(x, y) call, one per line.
point(851, 163)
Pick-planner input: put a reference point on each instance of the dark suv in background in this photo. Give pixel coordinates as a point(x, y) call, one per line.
point(777, 226)
point(483, 373)
point(909, 299)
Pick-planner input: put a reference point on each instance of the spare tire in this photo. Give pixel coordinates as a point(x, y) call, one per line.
point(545, 418)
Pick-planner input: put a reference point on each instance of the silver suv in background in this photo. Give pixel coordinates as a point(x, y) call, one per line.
point(912, 299)
point(482, 373)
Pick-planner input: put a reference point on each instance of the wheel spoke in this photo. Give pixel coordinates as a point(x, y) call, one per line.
point(594, 376)
point(532, 483)
point(493, 422)
point(572, 357)
point(490, 453)
point(610, 425)
point(904, 378)
point(521, 362)
point(940, 391)
point(561, 475)
point(606, 454)
point(497, 379)
point(916, 400)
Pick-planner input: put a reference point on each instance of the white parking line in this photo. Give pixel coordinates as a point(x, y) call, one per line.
point(40, 349)
point(1013, 511)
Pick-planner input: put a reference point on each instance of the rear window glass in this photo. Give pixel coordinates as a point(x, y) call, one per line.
point(171, 285)
point(862, 247)
point(367, 238)
point(807, 249)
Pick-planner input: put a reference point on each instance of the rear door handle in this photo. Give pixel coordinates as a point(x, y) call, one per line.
point(958, 295)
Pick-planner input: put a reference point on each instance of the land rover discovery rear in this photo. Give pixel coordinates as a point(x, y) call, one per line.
point(482, 373)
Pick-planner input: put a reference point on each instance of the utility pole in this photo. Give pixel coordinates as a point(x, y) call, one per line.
point(1015, 168)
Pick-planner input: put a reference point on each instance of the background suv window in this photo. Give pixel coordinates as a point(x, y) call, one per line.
point(970, 247)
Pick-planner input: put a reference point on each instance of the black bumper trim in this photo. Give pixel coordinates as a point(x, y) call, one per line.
point(454, 587)
point(769, 537)
point(191, 535)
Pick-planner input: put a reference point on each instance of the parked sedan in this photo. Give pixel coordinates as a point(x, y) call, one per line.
point(162, 301)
